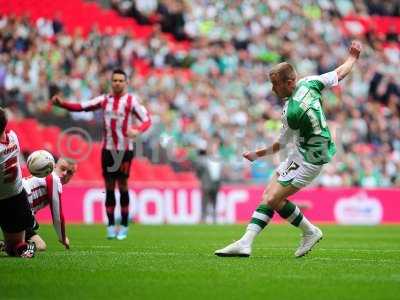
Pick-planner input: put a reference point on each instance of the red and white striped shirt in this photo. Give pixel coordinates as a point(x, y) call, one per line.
point(119, 113)
point(10, 171)
point(47, 191)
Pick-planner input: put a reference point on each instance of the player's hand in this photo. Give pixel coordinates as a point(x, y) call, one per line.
point(132, 133)
point(65, 243)
point(56, 100)
point(250, 155)
point(355, 49)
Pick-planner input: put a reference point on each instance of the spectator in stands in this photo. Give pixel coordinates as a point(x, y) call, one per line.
point(383, 8)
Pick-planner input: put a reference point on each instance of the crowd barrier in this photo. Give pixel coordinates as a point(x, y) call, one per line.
point(153, 204)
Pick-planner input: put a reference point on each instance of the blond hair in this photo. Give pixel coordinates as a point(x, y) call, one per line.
point(284, 71)
point(68, 160)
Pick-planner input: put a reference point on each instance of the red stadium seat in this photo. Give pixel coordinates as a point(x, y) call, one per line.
point(164, 173)
point(51, 135)
point(81, 15)
point(30, 135)
point(141, 170)
point(187, 177)
point(89, 169)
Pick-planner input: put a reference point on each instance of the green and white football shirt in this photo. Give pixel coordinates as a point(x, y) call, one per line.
point(303, 118)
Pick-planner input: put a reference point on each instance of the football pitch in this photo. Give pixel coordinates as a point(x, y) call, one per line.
point(177, 262)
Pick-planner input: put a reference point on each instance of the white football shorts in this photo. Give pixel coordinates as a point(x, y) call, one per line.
point(296, 171)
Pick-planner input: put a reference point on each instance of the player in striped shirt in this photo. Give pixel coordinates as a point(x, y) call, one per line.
point(15, 213)
point(121, 110)
point(48, 191)
point(303, 120)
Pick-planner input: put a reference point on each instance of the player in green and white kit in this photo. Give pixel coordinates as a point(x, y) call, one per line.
point(304, 121)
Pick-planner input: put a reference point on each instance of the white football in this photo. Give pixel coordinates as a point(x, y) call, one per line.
point(40, 163)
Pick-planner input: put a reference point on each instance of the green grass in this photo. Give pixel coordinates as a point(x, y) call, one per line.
point(177, 262)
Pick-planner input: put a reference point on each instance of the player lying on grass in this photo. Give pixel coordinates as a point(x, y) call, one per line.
point(48, 191)
point(304, 121)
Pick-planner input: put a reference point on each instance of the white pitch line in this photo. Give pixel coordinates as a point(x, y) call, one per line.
point(334, 249)
point(357, 259)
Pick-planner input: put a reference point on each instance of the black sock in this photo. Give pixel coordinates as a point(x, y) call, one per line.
point(124, 208)
point(110, 206)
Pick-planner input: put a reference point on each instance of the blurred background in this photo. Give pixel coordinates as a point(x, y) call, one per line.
point(200, 67)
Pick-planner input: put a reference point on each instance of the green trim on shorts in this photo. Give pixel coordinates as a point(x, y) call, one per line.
point(285, 183)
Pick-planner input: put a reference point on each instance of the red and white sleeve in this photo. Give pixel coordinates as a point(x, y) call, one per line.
point(143, 115)
point(54, 191)
point(93, 104)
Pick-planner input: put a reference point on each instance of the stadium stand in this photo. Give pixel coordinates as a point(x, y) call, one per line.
point(212, 84)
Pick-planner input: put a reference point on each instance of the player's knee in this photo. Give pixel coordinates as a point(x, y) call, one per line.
point(13, 249)
point(39, 243)
point(123, 185)
point(41, 246)
point(267, 198)
point(271, 199)
point(110, 185)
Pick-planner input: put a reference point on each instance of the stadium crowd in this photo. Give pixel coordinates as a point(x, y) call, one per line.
point(226, 99)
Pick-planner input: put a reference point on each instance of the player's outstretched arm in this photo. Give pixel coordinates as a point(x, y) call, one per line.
point(253, 155)
point(354, 54)
point(91, 105)
point(56, 100)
